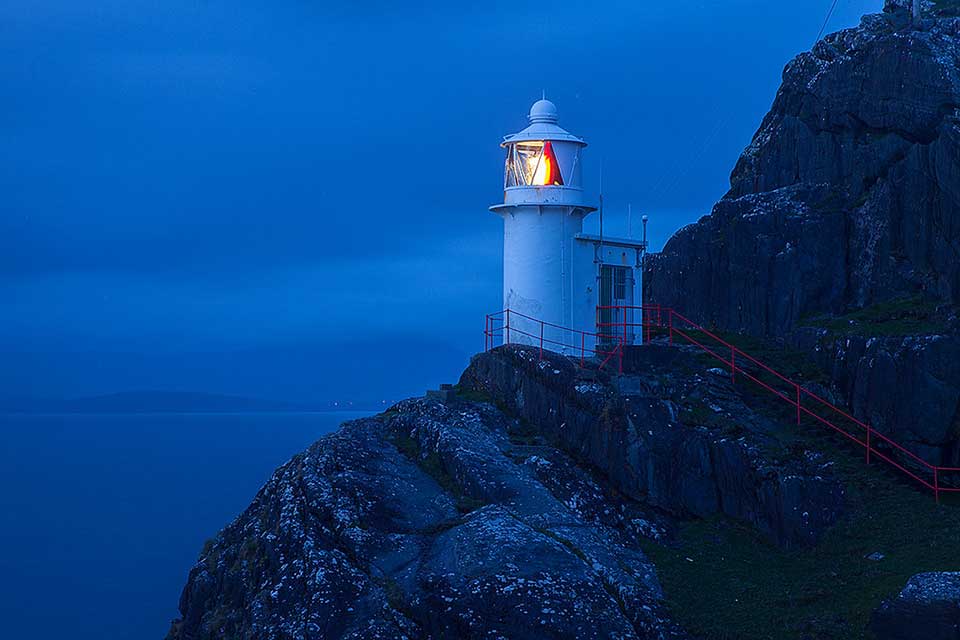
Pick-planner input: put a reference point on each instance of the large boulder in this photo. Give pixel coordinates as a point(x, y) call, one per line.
point(427, 522)
point(907, 387)
point(673, 433)
point(928, 608)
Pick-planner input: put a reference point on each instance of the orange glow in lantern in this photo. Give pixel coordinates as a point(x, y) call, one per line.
point(548, 171)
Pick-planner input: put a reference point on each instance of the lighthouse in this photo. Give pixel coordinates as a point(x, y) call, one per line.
point(558, 282)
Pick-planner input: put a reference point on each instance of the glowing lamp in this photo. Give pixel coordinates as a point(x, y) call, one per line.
point(542, 155)
point(548, 171)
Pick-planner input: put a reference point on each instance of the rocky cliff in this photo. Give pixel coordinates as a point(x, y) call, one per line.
point(845, 204)
point(432, 520)
point(543, 501)
point(459, 519)
point(674, 433)
point(927, 607)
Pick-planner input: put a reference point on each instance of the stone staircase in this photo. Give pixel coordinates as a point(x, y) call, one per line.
point(445, 393)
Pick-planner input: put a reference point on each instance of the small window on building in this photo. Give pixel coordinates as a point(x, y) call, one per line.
point(620, 284)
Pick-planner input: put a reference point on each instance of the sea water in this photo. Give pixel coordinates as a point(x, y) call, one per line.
point(102, 516)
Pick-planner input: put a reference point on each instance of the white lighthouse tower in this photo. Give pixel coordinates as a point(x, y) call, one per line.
point(554, 276)
point(543, 210)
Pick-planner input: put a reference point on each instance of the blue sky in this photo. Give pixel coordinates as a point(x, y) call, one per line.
point(289, 199)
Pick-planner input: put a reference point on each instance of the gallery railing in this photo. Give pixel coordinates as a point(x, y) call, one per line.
point(586, 348)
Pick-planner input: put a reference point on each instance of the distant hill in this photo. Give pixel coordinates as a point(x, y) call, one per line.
point(159, 402)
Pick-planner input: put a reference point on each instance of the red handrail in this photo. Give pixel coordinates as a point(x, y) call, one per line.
point(507, 331)
point(677, 323)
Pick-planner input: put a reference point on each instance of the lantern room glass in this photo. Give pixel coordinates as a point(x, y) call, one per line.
point(532, 163)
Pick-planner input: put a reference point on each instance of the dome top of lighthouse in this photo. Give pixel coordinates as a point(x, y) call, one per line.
point(543, 126)
point(543, 111)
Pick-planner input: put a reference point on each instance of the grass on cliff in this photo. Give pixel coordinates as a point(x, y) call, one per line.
point(949, 8)
point(431, 464)
point(913, 315)
point(723, 581)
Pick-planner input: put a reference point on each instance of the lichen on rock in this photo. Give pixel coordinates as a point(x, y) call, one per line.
point(847, 199)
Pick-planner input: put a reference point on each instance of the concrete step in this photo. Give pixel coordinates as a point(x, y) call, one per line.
point(587, 375)
point(445, 393)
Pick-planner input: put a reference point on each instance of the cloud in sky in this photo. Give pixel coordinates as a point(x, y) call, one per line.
point(183, 177)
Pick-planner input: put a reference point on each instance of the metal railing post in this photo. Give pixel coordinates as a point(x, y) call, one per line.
point(733, 364)
point(507, 329)
point(541, 339)
point(798, 402)
point(936, 484)
point(670, 320)
point(868, 444)
point(620, 368)
point(583, 338)
point(623, 312)
point(486, 333)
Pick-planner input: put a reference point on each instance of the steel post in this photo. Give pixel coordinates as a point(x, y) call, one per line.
point(541, 339)
point(798, 403)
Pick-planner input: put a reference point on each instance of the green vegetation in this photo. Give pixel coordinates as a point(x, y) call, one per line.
point(947, 7)
point(472, 395)
point(696, 413)
point(792, 363)
point(432, 465)
point(396, 598)
point(904, 316)
point(521, 432)
point(210, 560)
point(574, 549)
point(722, 580)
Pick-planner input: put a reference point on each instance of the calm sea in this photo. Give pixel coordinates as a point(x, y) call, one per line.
point(102, 516)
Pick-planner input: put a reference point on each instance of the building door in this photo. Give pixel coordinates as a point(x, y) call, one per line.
point(615, 317)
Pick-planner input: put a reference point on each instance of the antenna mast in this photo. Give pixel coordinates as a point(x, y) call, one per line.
point(601, 210)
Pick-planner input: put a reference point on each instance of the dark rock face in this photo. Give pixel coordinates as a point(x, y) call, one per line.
point(906, 387)
point(755, 264)
point(928, 607)
point(675, 435)
point(848, 196)
point(428, 522)
point(457, 519)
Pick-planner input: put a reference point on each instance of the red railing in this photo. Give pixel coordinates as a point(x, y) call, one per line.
point(508, 326)
point(650, 319)
point(805, 401)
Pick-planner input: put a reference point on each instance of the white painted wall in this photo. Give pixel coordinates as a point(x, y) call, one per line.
point(550, 275)
point(540, 258)
point(587, 281)
point(586, 286)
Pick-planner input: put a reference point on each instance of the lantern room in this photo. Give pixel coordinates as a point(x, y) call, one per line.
point(542, 161)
